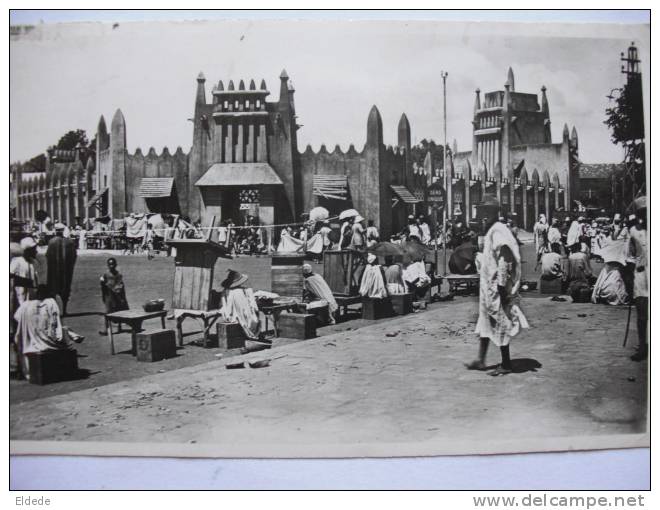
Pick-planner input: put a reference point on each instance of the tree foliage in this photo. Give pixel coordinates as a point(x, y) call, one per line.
point(72, 139)
point(626, 118)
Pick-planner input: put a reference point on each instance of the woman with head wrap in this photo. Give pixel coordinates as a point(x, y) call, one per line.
point(373, 280)
point(316, 288)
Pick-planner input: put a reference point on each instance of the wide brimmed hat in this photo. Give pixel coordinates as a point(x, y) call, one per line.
point(234, 279)
point(59, 226)
point(358, 219)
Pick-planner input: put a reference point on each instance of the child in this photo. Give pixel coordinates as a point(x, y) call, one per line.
point(113, 292)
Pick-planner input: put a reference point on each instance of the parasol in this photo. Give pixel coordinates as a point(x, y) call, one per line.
point(385, 248)
point(639, 203)
point(319, 214)
point(348, 213)
point(416, 250)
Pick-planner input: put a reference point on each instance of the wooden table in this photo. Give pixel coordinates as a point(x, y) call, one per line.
point(134, 319)
point(208, 317)
point(467, 282)
point(273, 311)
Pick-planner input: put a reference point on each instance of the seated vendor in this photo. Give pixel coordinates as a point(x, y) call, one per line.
point(579, 267)
point(394, 276)
point(316, 289)
point(39, 327)
point(373, 279)
point(416, 278)
point(551, 264)
point(238, 304)
point(610, 287)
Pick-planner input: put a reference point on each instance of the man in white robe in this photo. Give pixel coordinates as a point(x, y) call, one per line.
point(239, 304)
point(500, 316)
point(317, 288)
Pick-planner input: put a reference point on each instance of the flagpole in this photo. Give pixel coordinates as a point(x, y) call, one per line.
point(445, 212)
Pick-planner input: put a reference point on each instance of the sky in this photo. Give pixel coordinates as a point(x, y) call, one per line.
point(65, 76)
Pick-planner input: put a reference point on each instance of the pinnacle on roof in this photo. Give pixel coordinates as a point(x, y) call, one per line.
point(252, 85)
point(263, 85)
point(283, 75)
point(201, 77)
point(221, 85)
point(241, 85)
point(231, 85)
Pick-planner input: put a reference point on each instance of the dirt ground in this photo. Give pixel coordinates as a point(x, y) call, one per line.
point(397, 380)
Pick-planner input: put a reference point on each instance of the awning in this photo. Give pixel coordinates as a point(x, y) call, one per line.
point(94, 200)
point(156, 187)
point(239, 174)
point(330, 186)
point(405, 195)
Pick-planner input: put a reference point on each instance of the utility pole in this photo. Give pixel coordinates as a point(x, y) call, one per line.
point(447, 204)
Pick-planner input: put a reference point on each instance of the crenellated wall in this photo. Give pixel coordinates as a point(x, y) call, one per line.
point(164, 164)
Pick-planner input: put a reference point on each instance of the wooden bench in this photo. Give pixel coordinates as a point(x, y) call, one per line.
point(346, 301)
point(461, 282)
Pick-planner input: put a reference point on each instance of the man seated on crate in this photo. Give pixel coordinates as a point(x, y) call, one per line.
point(316, 292)
point(238, 304)
point(39, 327)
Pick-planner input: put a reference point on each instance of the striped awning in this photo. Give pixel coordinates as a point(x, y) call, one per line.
point(405, 195)
point(156, 187)
point(330, 186)
point(95, 199)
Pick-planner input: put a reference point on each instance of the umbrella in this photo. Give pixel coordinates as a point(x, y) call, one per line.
point(416, 251)
point(385, 248)
point(319, 214)
point(348, 213)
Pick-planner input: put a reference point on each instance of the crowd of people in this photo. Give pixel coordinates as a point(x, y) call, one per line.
point(565, 251)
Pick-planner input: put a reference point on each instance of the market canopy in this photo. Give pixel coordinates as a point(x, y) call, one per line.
point(330, 186)
point(405, 195)
point(239, 174)
point(156, 187)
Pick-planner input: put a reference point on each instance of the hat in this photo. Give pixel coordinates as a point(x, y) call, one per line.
point(617, 216)
point(59, 226)
point(411, 217)
point(306, 269)
point(489, 200)
point(234, 279)
point(580, 218)
point(631, 217)
point(358, 219)
point(27, 243)
point(371, 258)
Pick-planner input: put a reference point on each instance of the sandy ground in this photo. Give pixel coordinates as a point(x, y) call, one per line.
point(398, 380)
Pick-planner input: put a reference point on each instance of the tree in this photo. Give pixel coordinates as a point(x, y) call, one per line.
point(626, 118)
point(72, 139)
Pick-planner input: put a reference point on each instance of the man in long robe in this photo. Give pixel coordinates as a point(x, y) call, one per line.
point(500, 316)
point(317, 288)
point(239, 304)
point(61, 256)
point(638, 252)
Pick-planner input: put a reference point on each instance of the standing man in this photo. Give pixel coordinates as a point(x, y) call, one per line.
point(61, 256)
point(500, 317)
point(148, 241)
point(424, 229)
point(637, 251)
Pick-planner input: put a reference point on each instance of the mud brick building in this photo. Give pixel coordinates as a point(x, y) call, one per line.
point(245, 160)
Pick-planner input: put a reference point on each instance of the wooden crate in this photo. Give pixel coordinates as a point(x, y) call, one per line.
point(156, 345)
point(297, 325)
point(342, 270)
point(550, 286)
point(52, 366)
point(286, 276)
point(230, 335)
point(402, 304)
point(376, 308)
